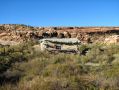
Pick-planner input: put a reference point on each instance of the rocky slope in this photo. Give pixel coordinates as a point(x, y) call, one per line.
point(17, 33)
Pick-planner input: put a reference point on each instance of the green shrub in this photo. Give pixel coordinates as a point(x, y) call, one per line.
point(44, 71)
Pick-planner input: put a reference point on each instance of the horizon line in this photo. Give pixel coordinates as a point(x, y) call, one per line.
point(60, 25)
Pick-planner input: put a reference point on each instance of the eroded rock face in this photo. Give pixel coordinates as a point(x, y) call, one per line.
point(19, 33)
point(52, 33)
point(67, 34)
point(61, 35)
point(74, 34)
point(112, 39)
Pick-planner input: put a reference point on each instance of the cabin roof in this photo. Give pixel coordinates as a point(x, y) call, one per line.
point(62, 40)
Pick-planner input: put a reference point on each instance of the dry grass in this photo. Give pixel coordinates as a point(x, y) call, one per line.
point(45, 71)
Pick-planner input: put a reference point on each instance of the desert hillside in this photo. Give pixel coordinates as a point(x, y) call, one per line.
point(59, 63)
point(17, 33)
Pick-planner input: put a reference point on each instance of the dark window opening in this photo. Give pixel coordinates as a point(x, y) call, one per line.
point(58, 47)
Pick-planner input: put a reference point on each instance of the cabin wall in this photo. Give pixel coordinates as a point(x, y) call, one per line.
point(69, 47)
point(42, 46)
point(52, 46)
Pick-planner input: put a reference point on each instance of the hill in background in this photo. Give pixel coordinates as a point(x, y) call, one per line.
point(17, 33)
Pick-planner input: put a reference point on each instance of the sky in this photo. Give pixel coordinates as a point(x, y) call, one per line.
point(60, 12)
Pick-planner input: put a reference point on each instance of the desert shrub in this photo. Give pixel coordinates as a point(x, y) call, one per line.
point(62, 70)
point(12, 54)
point(112, 71)
point(54, 83)
point(36, 70)
point(83, 49)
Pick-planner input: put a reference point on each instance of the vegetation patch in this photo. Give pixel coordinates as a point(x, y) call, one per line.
point(24, 68)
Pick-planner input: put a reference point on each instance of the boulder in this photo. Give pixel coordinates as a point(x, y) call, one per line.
point(73, 35)
point(67, 34)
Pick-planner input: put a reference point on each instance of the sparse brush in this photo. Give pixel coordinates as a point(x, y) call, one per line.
point(23, 68)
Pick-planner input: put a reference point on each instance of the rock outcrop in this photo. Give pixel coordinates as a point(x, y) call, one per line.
point(20, 33)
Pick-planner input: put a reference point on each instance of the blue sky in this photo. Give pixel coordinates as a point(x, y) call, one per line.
point(60, 12)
